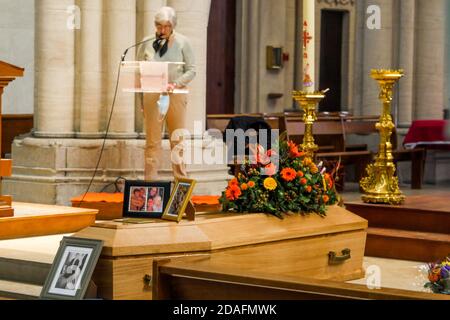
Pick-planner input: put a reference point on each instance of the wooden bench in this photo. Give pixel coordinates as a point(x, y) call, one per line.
point(206, 278)
point(329, 136)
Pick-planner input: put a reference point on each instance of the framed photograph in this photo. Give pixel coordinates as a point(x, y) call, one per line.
point(145, 199)
point(72, 269)
point(179, 199)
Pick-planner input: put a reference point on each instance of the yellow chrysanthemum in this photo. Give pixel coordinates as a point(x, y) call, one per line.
point(270, 184)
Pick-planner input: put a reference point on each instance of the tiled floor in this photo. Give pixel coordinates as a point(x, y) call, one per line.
point(394, 274)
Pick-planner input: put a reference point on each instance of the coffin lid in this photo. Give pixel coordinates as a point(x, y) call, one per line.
point(212, 232)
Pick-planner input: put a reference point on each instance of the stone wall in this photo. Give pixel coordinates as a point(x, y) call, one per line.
point(17, 47)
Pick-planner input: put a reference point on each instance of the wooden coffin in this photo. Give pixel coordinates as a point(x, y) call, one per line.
point(297, 246)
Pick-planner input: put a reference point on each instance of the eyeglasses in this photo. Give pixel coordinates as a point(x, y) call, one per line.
point(165, 26)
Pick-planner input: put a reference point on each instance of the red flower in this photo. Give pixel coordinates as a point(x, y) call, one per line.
point(233, 193)
point(233, 183)
point(329, 181)
point(244, 186)
point(326, 198)
point(272, 153)
point(300, 174)
point(293, 150)
point(251, 184)
point(309, 189)
point(303, 181)
point(288, 174)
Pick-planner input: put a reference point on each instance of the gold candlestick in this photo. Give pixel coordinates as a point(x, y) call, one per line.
point(309, 102)
point(381, 184)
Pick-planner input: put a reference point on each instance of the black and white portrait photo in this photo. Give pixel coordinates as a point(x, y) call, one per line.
point(70, 271)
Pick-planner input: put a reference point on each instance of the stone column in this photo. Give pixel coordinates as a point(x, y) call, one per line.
point(90, 76)
point(55, 70)
point(120, 34)
point(430, 59)
point(406, 61)
point(193, 17)
point(249, 55)
point(377, 53)
point(145, 26)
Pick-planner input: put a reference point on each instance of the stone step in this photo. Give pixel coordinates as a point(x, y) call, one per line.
point(10, 290)
point(23, 271)
point(407, 245)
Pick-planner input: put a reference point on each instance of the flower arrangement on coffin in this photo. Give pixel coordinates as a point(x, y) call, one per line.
point(439, 276)
point(296, 186)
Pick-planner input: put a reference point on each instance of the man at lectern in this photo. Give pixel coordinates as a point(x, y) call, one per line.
point(168, 46)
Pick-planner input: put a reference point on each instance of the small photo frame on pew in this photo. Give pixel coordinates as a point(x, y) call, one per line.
point(179, 199)
point(72, 269)
point(145, 199)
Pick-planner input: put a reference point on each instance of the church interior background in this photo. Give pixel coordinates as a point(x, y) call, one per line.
point(55, 116)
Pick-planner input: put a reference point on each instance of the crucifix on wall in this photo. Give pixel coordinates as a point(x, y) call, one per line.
point(8, 73)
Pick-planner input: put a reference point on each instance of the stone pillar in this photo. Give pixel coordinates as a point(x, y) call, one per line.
point(90, 76)
point(249, 57)
point(406, 61)
point(120, 34)
point(430, 59)
point(193, 17)
point(377, 53)
point(55, 70)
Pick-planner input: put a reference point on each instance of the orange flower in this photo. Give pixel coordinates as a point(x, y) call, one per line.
point(233, 193)
point(270, 170)
point(313, 168)
point(307, 161)
point(326, 198)
point(251, 184)
point(244, 186)
point(300, 174)
point(309, 189)
point(288, 174)
point(303, 181)
point(233, 183)
point(435, 275)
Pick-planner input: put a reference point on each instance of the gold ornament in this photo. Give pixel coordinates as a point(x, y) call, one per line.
point(381, 184)
point(309, 102)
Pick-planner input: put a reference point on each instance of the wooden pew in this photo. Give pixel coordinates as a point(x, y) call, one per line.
point(367, 126)
point(220, 121)
point(329, 136)
point(206, 278)
point(12, 126)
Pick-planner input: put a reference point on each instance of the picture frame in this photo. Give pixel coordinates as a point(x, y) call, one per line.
point(179, 199)
point(72, 269)
point(274, 58)
point(145, 199)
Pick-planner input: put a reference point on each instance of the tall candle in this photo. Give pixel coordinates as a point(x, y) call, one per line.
point(309, 58)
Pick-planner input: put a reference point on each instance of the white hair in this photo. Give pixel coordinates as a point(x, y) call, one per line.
point(166, 14)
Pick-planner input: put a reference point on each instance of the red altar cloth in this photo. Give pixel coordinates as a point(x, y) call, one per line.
point(427, 133)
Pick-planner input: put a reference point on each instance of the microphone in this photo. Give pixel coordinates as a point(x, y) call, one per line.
point(134, 45)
